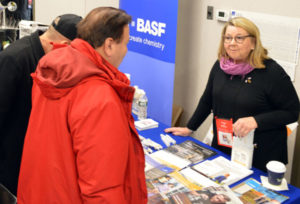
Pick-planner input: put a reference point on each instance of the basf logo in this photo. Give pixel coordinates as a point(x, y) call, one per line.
point(151, 27)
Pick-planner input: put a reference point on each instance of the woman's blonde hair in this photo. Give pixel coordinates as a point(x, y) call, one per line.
point(259, 54)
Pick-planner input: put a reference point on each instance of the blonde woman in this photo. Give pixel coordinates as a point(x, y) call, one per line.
point(247, 90)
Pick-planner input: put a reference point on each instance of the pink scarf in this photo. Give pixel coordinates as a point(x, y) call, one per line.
point(229, 67)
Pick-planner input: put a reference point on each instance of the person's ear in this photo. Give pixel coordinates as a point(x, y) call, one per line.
point(108, 46)
point(253, 44)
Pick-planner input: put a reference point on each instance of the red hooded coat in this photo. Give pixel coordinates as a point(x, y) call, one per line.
point(81, 145)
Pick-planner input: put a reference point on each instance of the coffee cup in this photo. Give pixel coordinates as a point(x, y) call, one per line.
point(276, 171)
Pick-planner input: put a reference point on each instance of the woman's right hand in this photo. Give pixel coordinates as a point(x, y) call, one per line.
point(181, 131)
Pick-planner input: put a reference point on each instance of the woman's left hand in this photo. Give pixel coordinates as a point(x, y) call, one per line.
point(243, 126)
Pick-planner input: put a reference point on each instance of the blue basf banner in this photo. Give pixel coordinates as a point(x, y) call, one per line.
point(151, 52)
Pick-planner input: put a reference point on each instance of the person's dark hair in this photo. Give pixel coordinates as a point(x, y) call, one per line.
point(102, 23)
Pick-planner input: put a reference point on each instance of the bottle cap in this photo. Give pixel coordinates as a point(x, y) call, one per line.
point(127, 75)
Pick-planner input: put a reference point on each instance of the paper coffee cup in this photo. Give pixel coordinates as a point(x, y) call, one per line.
point(276, 171)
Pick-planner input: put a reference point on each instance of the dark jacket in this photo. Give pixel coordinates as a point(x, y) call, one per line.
point(266, 94)
point(17, 62)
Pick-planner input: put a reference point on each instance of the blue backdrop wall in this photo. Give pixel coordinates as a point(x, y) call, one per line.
point(151, 52)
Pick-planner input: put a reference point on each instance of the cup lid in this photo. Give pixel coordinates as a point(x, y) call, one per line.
point(276, 166)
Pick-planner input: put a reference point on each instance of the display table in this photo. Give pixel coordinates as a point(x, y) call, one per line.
point(293, 193)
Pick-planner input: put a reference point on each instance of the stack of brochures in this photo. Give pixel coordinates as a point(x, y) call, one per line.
point(145, 124)
point(175, 176)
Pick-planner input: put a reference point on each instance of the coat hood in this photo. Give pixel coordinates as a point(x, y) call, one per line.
point(65, 67)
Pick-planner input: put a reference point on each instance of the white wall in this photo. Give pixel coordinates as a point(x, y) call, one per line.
point(197, 44)
point(46, 11)
point(90, 4)
point(197, 40)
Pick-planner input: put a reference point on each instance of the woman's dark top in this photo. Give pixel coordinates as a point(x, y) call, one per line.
point(266, 94)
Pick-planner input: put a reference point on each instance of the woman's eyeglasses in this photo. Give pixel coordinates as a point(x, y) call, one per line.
point(238, 39)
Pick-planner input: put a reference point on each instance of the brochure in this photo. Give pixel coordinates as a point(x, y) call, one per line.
point(252, 192)
point(154, 169)
point(242, 150)
point(168, 184)
point(182, 155)
point(191, 151)
point(145, 124)
point(222, 170)
point(209, 195)
point(171, 160)
point(197, 178)
point(190, 184)
point(163, 185)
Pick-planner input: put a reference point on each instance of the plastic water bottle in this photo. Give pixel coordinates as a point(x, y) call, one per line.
point(135, 100)
point(142, 106)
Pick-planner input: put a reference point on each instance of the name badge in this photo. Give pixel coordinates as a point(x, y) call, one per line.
point(224, 131)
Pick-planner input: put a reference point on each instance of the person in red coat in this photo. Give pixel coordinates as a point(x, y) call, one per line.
point(81, 145)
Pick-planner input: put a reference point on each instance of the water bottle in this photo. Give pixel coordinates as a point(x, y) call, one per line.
point(135, 100)
point(142, 106)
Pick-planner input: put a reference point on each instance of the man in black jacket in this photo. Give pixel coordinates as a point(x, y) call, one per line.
point(17, 62)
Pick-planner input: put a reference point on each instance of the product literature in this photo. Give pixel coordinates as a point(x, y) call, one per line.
point(252, 192)
point(209, 195)
point(181, 155)
point(222, 170)
point(191, 151)
point(176, 189)
point(190, 184)
point(163, 185)
point(145, 124)
point(242, 150)
point(197, 178)
point(154, 169)
point(171, 160)
point(172, 183)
